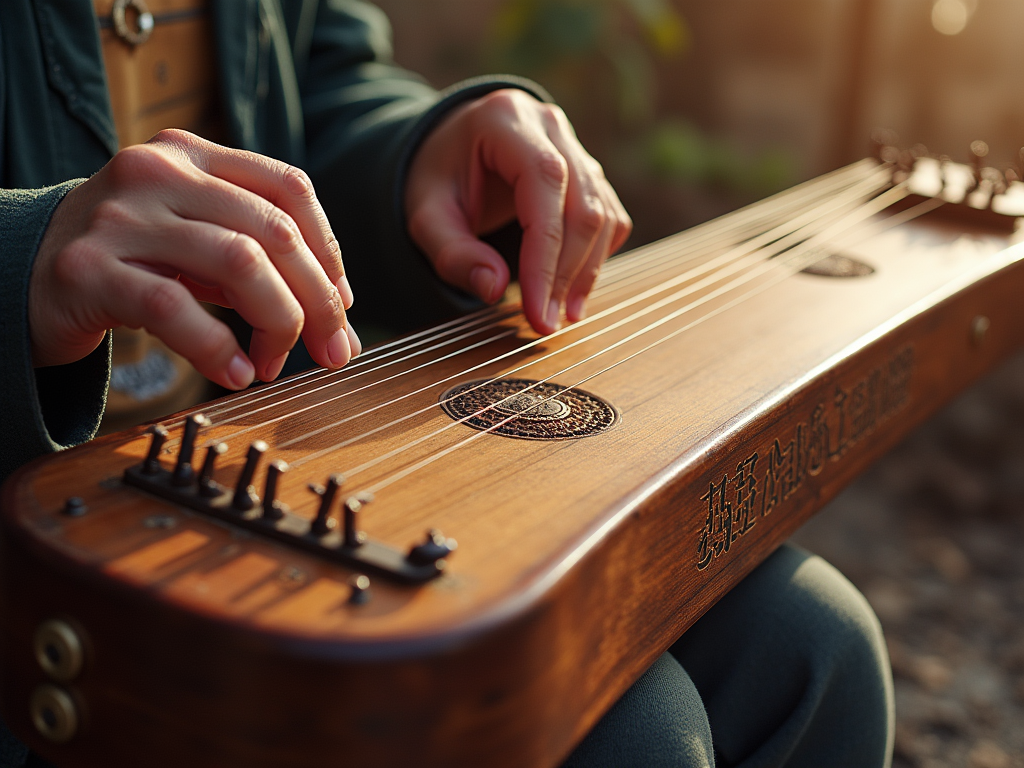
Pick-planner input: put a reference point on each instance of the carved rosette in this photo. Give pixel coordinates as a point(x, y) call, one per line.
point(528, 410)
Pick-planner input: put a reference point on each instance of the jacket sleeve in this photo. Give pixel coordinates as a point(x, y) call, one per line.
point(43, 409)
point(365, 118)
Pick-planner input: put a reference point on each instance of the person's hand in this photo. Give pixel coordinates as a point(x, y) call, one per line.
point(506, 156)
point(179, 220)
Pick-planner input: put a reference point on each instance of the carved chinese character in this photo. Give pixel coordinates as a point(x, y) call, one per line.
point(716, 537)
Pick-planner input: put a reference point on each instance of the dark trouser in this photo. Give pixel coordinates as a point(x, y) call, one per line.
point(788, 669)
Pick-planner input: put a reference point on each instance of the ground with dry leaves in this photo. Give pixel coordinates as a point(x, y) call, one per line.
point(934, 537)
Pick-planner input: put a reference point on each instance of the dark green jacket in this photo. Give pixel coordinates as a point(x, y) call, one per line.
point(310, 82)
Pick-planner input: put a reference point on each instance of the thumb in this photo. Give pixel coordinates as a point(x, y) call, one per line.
point(440, 229)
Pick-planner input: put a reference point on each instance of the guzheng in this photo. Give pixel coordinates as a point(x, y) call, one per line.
point(463, 547)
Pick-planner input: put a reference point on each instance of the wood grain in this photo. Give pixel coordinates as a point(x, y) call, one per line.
point(579, 561)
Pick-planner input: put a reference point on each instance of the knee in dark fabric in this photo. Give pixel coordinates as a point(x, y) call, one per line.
point(792, 669)
point(658, 723)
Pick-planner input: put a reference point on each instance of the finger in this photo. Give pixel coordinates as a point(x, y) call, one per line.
point(538, 174)
point(583, 283)
point(287, 187)
point(264, 291)
point(230, 208)
point(138, 298)
point(440, 228)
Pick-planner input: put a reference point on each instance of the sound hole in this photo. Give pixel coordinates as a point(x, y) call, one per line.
point(527, 410)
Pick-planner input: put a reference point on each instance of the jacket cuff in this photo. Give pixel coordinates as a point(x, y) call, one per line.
point(47, 408)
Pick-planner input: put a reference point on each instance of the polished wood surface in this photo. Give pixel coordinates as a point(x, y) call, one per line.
point(579, 561)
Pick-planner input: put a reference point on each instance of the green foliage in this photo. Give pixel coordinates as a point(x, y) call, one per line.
point(548, 39)
point(602, 56)
point(675, 150)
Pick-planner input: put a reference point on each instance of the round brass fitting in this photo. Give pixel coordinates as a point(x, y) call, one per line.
point(58, 650)
point(53, 713)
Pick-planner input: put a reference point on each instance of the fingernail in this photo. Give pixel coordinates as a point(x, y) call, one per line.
point(482, 280)
point(347, 297)
point(552, 316)
point(275, 366)
point(576, 308)
point(353, 340)
point(240, 371)
point(338, 349)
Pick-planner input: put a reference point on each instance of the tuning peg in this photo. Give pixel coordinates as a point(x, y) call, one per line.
point(353, 505)
point(979, 151)
point(434, 548)
point(152, 463)
point(183, 472)
point(360, 593)
point(271, 506)
point(245, 495)
point(207, 486)
point(323, 523)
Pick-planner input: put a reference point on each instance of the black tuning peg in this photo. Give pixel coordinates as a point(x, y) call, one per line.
point(434, 548)
point(183, 472)
point(152, 463)
point(353, 505)
point(323, 523)
point(271, 506)
point(245, 495)
point(207, 486)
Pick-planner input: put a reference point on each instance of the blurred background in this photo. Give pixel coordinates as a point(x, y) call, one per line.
point(696, 108)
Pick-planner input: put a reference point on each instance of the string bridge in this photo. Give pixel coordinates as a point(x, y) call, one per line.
point(270, 518)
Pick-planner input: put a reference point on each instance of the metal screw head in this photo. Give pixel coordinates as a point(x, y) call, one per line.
point(979, 328)
point(160, 521)
point(75, 507)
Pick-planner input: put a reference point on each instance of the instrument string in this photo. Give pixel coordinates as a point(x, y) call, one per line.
point(811, 246)
point(649, 259)
point(783, 272)
point(736, 255)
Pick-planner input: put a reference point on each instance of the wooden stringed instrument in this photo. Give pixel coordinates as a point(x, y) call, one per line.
point(181, 595)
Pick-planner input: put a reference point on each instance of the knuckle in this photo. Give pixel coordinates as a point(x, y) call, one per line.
point(297, 181)
point(552, 167)
point(331, 308)
point(560, 286)
point(504, 101)
point(141, 162)
point(243, 256)
point(281, 227)
point(552, 232)
point(164, 301)
point(173, 136)
point(111, 212)
point(592, 217)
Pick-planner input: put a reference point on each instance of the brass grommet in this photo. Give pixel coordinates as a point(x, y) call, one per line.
point(143, 21)
point(53, 713)
point(58, 650)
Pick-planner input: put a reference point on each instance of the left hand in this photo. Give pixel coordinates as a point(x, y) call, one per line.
point(509, 156)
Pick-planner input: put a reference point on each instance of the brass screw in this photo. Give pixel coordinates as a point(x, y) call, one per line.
point(58, 650)
point(53, 713)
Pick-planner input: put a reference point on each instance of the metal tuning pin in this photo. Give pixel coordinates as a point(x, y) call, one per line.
point(979, 151)
point(207, 485)
point(433, 549)
point(151, 465)
point(353, 505)
point(360, 585)
point(245, 495)
point(323, 523)
point(271, 506)
point(183, 472)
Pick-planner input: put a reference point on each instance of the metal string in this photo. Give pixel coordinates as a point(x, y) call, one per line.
point(811, 246)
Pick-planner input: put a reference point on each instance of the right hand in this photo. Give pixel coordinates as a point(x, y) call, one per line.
point(179, 220)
